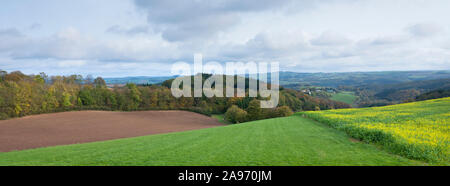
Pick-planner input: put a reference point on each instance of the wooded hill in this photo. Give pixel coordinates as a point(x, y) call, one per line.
point(22, 95)
point(379, 95)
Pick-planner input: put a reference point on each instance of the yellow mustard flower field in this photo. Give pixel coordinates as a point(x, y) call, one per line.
point(418, 130)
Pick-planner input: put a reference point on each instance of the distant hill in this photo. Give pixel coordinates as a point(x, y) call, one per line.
point(372, 88)
point(296, 80)
point(401, 91)
point(379, 95)
point(138, 80)
point(294, 99)
point(441, 93)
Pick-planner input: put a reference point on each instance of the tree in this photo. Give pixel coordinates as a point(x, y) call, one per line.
point(22, 94)
point(15, 76)
point(66, 99)
point(110, 99)
point(86, 97)
point(50, 102)
point(254, 110)
point(235, 115)
point(283, 111)
point(2, 75)
point(99, 82)
point(39, 79)
point(135, 96)
point(88, 79)
point(44, 76)
point(317, 108)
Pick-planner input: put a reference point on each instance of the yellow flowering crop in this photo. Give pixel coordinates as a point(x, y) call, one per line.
point(419, 130)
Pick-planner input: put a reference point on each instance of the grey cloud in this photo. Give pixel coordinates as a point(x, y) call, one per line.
point(69, 44)
point(446, 45)
point(266, 46)
point(330, 38)
point(424, 29)
point(141, 29)
point(175, 11)
point(35, 26)
point(10, 32)
point(389, 40)
point(11, 39)
point(336, 54)
point(199, 29)
point(187, 19)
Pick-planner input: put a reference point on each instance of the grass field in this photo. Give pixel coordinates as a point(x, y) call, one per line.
point(221, 118)
point(282, 141)
point(346, 97)
point(418, 130)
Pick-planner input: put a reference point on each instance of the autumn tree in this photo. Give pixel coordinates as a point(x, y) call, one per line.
point(236, 115)
point(254, 110)
point(99, 82)
point(134, 95)
point(283, 111)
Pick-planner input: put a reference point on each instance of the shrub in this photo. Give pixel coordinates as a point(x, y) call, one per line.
point(254, 110)
point(235, 115)
point(283, 111)
point(3, 116)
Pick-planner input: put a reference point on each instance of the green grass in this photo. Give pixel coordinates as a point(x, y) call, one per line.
point(418, 130)
point(346, 97)
point(282, 141)
point(221, 118)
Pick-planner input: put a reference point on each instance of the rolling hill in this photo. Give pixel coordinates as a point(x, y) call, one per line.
point(415, 130)
point(282, 141)
point(346, 97)
point(357, 79)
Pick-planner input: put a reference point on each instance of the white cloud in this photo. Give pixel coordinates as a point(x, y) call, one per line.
point(302, 35)
point(71, 63)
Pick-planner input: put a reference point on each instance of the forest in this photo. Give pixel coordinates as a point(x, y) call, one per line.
point(382, 94)
point(22, 95)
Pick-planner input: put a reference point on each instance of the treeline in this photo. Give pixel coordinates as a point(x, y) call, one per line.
point(381, 95)
point(254, 112)
point(22, 95)
point(410, 90)
point(442, 93)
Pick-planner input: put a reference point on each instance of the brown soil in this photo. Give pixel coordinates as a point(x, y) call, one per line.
point(89, 126)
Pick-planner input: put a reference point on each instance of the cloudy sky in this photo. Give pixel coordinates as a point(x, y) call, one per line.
point(115, 38)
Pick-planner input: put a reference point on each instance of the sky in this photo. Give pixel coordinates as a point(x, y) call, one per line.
point(117, 38)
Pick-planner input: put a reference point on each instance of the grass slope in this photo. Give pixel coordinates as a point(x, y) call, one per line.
point(418, 130)
point(346, 97)
point(282, 141)
point(221, 118)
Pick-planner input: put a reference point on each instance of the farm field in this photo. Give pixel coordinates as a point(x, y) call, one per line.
point(89, 126)
point(418, 130)
point(346, 97)
point(281, 141)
